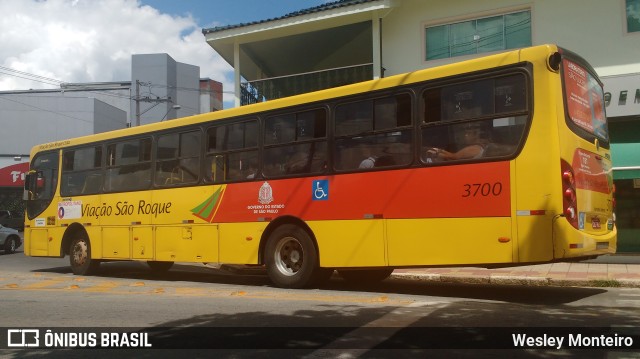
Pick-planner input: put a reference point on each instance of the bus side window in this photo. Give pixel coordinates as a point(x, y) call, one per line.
point(82, 171)
point(480, 119)
point(130, 165)
point(178, 158)
point(295, 143)
point(232, 152)
point(373, 133)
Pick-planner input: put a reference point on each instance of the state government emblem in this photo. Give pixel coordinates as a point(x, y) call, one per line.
point(265, 195)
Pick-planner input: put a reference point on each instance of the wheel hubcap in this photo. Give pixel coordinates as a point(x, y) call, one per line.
point(289, 256)
point(80, 253)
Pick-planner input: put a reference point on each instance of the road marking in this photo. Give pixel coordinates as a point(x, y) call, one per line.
point(387, 326)
point(43, 284)
point(102, 287)
point(137, 287)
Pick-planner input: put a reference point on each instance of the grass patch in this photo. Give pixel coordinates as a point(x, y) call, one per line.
point(605, 283)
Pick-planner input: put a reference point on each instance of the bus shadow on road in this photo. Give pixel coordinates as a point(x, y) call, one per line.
point(256, 277)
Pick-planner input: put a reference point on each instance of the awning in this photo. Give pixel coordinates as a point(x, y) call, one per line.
point(13, 176)
point(626, 160)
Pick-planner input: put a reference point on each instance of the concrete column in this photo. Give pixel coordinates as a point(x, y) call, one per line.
point(376, 29)
point(236, 72)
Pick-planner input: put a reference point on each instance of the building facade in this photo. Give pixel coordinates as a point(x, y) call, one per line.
point(348, 41)
point(160, 89)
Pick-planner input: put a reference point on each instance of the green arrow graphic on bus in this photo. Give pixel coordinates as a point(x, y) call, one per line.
point(207, 209)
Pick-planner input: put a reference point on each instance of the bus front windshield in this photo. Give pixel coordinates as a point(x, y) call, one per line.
point(585, 100)
point(42, 183)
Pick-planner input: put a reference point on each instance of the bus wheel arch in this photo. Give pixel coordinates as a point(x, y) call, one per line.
point(77, 245)
point(290, 252)
point(273, 225)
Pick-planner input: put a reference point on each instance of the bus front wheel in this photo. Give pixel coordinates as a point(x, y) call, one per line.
point(80, 256)
point(291, 257)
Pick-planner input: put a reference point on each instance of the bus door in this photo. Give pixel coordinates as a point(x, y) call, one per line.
point(40, 187)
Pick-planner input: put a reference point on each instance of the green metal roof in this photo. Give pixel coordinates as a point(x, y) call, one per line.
point(325, 7)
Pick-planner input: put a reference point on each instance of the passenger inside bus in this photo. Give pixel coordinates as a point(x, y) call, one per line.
point(475, 141)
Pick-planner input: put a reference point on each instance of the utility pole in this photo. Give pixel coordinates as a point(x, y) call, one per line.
point(139, 99)
point(137, 102)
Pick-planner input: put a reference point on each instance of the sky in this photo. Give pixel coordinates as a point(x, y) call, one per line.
point(44, 43)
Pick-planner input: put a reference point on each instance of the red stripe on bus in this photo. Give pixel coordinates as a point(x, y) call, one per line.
point(471, 190)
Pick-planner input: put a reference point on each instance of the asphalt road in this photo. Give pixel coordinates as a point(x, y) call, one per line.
point(242, 315)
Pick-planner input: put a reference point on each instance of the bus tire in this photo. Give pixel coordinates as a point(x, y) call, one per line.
point(366, 275)
point(160, 267)
point(291, 257)
point(80, 256)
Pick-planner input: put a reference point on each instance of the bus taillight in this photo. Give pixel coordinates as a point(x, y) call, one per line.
point(569, 199)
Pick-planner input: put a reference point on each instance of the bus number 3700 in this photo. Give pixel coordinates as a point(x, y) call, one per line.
point(482, 189)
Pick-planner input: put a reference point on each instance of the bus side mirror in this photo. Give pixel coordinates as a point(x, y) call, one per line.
point(28, 179)
point(30, 185)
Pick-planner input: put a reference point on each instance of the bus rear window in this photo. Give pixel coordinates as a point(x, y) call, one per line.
point(585, 100)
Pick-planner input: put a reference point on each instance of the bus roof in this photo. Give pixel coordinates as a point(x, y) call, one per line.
point(448, 70)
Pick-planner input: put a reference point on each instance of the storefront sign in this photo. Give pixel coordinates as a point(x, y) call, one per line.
point(13, 176)
point(622, 95)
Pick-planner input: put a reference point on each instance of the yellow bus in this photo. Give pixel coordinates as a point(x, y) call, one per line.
point(496, 161)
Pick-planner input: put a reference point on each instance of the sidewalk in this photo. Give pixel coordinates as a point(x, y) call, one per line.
point(606, 271)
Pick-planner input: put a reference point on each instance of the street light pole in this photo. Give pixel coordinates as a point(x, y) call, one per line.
point(174, 107)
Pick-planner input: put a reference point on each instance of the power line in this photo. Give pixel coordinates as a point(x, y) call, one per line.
point(49, 81)
point(147, 97)
point(32, 77)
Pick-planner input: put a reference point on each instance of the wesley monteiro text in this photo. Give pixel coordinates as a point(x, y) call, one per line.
point(571, 341)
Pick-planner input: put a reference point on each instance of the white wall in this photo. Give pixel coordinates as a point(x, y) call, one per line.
point(35, 118)
point(592, 28)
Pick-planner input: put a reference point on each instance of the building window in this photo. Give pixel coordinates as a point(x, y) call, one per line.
point(502, 32)
point(633, 15)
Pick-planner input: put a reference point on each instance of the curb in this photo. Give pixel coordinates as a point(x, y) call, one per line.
point(518, 280)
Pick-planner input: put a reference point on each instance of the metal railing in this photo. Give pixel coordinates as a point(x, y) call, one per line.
point(283, 86)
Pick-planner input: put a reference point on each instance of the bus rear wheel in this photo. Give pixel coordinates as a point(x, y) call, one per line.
point(80, 256)
point(291, 258)
point(365, 275)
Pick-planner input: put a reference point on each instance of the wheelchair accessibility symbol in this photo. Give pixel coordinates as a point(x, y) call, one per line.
point(320, 190)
